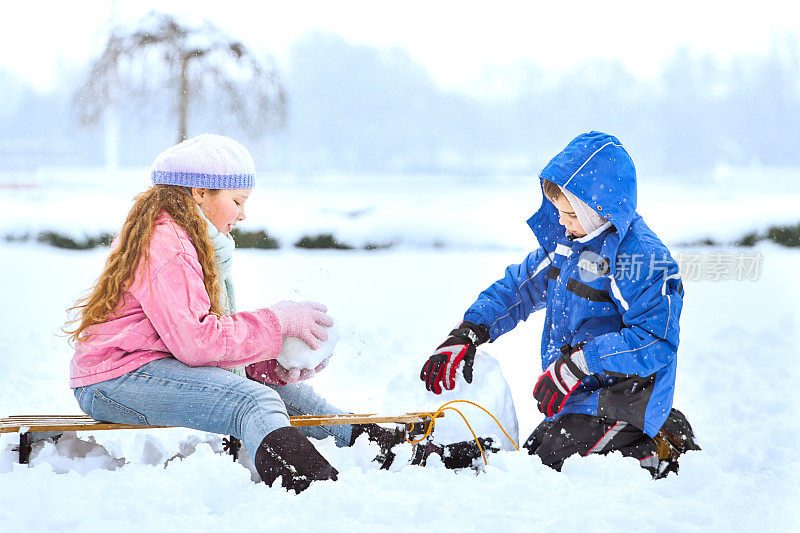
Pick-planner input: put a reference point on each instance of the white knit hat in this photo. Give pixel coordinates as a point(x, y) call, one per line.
point(207, 161)
point(587, 216)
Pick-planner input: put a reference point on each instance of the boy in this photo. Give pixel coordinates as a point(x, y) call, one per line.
point(613, 298)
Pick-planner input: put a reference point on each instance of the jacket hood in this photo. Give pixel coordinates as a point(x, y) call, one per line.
point(597, 169)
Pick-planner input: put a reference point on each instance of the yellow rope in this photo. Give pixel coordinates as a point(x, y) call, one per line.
point(446, 407)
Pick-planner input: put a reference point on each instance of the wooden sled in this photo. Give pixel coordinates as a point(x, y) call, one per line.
point(32, 428)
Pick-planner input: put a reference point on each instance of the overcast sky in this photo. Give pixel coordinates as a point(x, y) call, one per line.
point(455, 40)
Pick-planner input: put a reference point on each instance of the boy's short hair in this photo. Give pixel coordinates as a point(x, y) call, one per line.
point(551, 190)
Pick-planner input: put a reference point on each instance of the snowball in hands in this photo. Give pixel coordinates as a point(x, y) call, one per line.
point(297, 354)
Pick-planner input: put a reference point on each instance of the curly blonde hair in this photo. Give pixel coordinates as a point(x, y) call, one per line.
point(132, 251)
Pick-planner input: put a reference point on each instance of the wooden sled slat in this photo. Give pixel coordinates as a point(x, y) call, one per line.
point(40, 423)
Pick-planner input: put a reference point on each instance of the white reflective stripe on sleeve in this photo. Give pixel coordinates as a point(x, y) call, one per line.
point(563, 250)
point(545, 262)
point(541, 266)
point(617, 293)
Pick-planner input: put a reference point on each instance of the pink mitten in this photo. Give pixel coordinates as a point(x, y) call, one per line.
point(293, 375)
point(304, 320)
point(265, 372)
point(271, 372)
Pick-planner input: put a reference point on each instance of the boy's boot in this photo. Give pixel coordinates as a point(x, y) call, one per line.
point(287, 453)
point(385, 438)
point(457, 455)
point(673, 439)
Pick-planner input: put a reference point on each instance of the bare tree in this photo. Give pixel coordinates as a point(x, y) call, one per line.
point(163, 55)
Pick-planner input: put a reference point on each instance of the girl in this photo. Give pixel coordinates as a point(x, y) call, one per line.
point(159, 341)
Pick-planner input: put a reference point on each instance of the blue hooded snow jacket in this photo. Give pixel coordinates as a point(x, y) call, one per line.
point(617, 289)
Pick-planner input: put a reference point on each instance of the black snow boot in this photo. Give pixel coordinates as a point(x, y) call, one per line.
point(287, 453)
point(673, 439)
point(457, 455)
point(385, 438)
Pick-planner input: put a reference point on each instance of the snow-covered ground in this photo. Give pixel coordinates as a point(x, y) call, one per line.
point(737, 375)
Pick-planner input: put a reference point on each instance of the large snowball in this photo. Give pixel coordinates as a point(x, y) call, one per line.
point(488, 389)
point(297, 354)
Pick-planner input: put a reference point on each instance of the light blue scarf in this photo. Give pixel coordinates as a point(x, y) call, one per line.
point(224, 245)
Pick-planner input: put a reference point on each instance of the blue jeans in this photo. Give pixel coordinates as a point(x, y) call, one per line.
point(167, 392)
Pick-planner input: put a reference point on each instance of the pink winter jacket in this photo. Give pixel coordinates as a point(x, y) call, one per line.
point(165, 313)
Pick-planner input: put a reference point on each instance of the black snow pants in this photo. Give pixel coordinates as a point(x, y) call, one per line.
point(553, 441)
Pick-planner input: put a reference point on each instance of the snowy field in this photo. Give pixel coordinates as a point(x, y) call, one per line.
point(409, 211)
point(738, 373)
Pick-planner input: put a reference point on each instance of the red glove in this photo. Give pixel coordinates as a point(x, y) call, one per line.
point(439, 371)
point(560, 380)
